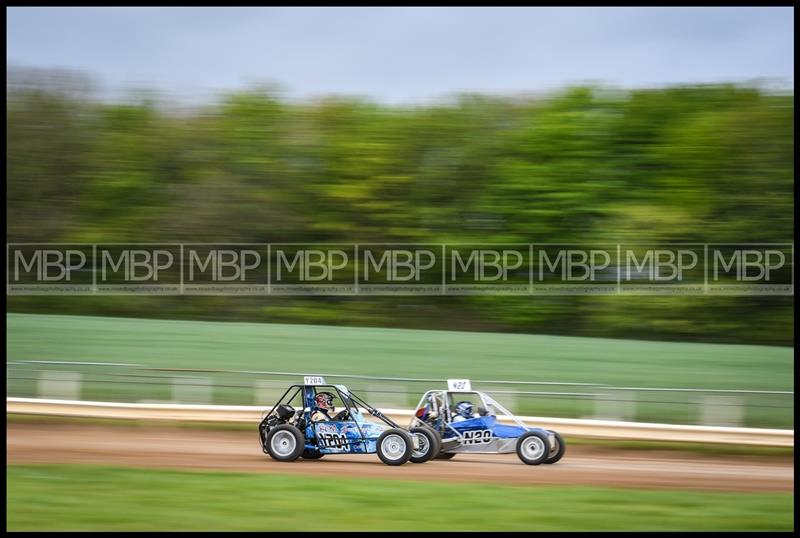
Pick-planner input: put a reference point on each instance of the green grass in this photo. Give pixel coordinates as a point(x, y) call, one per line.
point(94, 498)
point(404, 353)
point(398, 352)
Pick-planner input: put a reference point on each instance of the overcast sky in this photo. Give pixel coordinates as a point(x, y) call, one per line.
point(404, 54)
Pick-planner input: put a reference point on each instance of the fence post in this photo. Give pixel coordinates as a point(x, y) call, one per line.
point(717, 410)
point(507, 400)
point(59, 385)
point(195, 390)
point(268, 392)
point(390, 396)
point(611, 404)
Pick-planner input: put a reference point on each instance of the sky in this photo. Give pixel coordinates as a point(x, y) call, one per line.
point(402, 55)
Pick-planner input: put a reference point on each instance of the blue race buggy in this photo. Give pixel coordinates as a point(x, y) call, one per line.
point(451, 414)
point(287, 433)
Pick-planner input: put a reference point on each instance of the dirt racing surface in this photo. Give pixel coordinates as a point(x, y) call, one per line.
point(178, 448)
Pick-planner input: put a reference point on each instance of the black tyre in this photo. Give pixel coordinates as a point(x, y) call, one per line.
point(311, 454)
point(533, 448)
point(446, 456)
point(262, 438)
point(557, 451)
point(394, 446)
point(285, 443)
point(428, 442)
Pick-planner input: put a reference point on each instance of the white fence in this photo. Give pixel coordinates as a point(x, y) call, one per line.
point(64, 380)
point(600, 429)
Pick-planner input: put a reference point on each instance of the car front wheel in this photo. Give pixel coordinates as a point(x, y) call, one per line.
point(533, 448)
point(394, 446)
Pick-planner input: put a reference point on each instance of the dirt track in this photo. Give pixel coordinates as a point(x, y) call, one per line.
point(238, 451)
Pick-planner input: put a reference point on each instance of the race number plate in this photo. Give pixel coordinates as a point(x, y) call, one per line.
point(332, 440)
point(477, 437)
point(313, 380)
point(460, 385)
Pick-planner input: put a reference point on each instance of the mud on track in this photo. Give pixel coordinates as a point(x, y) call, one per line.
point(177, 448)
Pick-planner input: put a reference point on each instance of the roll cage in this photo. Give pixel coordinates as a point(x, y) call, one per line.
point(350, 401)
point(442, 403)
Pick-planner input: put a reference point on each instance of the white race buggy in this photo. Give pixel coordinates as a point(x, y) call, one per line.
point(452, 414)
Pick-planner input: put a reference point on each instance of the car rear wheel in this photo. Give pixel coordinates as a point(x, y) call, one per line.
point(533, 448)
point(557, 451)
point(285, 443)
point(428, 444)
point(394, 446)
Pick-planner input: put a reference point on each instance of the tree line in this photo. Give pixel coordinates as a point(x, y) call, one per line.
point(587, 164)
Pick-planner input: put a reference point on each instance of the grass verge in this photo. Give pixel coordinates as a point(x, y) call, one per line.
point(61, 497)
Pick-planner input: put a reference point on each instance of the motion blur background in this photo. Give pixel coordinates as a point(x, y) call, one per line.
point(406, 125)
point(91, 159)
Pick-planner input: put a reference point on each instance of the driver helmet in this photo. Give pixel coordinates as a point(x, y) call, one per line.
point(324, 400)
point(464, 409)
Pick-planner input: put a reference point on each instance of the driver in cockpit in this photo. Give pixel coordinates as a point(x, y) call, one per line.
point(323, 409)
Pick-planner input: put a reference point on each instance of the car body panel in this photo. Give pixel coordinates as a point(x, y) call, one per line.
point(345, 437)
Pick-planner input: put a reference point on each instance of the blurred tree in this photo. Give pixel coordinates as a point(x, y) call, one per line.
point(588, 164)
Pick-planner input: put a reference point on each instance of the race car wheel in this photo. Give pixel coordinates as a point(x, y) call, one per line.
point(428, 444)
point(556, 451)
point(285, 443)
point(533, 448)
point(311, 454)
point(395, 446)
point(262, 438)
point(446, 456)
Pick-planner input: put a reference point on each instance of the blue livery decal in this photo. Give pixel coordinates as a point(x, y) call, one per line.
point(487, 424)
point(345, 437)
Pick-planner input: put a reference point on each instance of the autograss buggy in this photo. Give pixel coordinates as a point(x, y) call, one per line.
point(286, 433)
point(451, 414)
